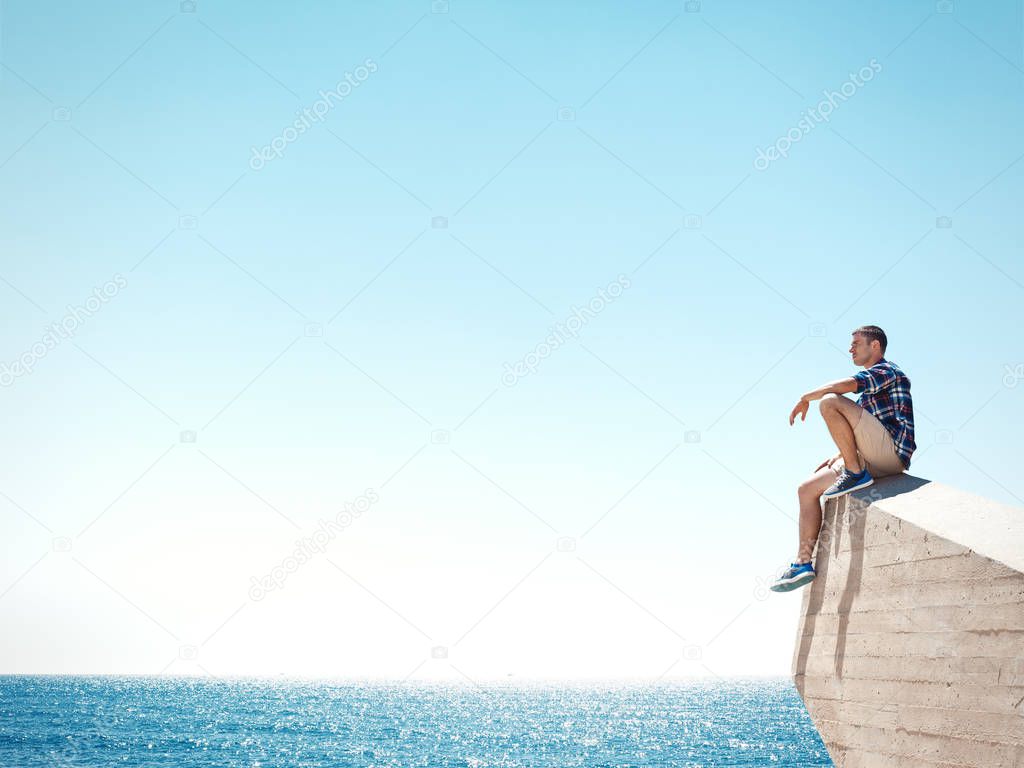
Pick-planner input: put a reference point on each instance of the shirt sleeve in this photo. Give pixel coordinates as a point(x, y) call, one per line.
point(874, 379)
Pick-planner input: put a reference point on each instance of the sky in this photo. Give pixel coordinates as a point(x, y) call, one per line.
point(485, 373)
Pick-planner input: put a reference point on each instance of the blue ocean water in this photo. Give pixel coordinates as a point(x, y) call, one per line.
point(132, 721)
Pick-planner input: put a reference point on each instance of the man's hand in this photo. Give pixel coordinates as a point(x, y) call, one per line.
point(828, 462)
point(839, 387)
point(801, 409)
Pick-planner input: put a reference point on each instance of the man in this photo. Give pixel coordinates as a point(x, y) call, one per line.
point(875, 438)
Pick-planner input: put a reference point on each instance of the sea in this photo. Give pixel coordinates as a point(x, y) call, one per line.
point(69, 721)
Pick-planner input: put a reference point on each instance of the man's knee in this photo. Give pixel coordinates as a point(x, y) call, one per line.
point(810, 488)
point(829, 402)
point(815, 485)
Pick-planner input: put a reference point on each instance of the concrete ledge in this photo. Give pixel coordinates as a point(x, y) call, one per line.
point(910, 646)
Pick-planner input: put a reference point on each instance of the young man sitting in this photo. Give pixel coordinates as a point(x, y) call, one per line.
point(875, 438)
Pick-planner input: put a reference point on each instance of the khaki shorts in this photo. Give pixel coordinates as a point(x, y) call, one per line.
point(875, 447)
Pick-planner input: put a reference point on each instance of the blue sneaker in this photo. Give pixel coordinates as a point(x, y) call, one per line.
point(795, 576)
point(848, 482)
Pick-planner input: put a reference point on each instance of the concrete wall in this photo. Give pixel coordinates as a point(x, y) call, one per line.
point(910, 647)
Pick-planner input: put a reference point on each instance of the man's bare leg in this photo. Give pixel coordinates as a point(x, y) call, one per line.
point(809, 493)
point(841, 415)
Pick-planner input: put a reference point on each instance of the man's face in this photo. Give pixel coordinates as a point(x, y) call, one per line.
point(860, 349)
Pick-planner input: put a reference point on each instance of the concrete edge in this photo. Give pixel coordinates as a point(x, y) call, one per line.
point(987, 527)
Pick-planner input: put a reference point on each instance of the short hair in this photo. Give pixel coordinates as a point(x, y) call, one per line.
point(872, 333)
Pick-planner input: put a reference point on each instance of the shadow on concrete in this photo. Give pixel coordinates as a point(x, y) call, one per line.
point(856, 520)
point(887, 487)
point(848, 515)
point(814, 596)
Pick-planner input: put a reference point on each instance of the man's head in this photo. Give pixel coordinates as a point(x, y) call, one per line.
point(867, 345)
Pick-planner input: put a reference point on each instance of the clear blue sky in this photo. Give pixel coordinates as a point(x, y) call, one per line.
point(315, 329)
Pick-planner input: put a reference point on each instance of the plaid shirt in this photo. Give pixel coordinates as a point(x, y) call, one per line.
point(885, 394)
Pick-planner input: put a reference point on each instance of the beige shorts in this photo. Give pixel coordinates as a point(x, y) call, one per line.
point(875, 447)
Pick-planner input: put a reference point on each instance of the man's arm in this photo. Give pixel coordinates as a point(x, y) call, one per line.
point(840, 387)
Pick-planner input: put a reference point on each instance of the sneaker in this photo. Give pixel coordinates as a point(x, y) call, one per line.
point(795, 576)
point(848, 482)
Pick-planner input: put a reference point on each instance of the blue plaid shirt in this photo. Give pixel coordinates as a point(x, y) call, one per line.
point(885, 394)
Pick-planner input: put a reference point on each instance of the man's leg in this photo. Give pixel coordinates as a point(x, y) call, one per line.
point(809, 493)
point(841, 416)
